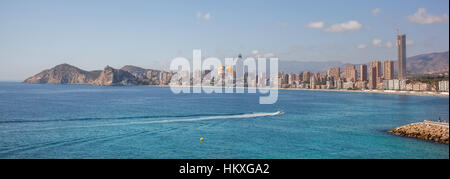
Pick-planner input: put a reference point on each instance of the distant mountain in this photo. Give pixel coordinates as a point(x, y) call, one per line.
point(115, 77)
point(148, 76)
point(428, 63)
point(126, 76)
point(419, 64)
point(299, 66)
point(64, 74)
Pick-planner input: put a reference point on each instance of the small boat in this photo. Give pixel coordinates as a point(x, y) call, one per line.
point(279, 112)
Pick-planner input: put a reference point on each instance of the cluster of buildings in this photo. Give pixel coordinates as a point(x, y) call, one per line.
point(377, 75)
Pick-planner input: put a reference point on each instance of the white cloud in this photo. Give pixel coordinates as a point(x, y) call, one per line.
point(376, 11)
point(422, 17)
point(257, 54)
point(410, 42)
point(376, 42)
point(316, 25)
point(389, 44)
point(346, 26)
point(206, 16)
point(361, 46)
point(269, 55)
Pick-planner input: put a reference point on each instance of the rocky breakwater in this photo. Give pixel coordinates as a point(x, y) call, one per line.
point(427, 130)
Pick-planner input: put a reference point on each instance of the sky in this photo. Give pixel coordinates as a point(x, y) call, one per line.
point(90, 34)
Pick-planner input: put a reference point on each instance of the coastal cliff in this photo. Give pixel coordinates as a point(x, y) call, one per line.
point(126, 76)
point(115, 77)
point(427, 130)
point(64, 74)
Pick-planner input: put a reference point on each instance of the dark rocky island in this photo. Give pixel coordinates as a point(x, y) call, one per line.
point(126, 76)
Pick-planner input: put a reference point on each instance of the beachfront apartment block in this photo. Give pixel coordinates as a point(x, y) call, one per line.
point(350, 73)
point(377, 66)
point(334, 72)
point(306, 75)
point(388, 70)
point(363, 72)
point(443, 86)
point(372, 77)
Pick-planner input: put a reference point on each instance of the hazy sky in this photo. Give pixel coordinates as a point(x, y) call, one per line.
point(37, 35)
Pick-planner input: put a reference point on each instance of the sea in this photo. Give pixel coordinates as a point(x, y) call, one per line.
point(82, 121)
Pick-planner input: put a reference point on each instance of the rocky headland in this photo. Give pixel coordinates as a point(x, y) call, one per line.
point(126, 76)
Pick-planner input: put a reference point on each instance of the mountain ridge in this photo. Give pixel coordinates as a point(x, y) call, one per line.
point(125, 76)
point(436, 62)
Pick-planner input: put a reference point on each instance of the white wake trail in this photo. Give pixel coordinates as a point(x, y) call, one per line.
point(239, 116)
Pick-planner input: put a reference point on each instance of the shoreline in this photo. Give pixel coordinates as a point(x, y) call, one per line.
point(392, 92)
point(415, 93)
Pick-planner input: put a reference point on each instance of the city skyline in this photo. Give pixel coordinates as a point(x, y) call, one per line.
point(150, 34)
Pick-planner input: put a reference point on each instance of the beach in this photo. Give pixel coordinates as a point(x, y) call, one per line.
point(416, 93)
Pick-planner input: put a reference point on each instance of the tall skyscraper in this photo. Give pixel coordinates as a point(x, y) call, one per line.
point(388, 70)
point(363, 71)
point(401, 46)
point(350, 73)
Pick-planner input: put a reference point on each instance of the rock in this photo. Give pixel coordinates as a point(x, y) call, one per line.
point(426, 130)
point(115, 77)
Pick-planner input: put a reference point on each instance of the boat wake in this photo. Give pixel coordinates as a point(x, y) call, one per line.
point(236, 116)
point(239, 116)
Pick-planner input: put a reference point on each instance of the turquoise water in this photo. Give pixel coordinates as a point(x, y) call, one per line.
point(78, 121)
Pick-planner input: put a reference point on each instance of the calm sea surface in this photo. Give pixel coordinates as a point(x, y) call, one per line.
point(79, 121)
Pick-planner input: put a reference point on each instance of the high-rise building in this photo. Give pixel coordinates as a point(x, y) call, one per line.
point(323, 77)
point(317, 76)
point(377, 65)
point(350, 73)
point(376, 74)
point(388, 70)
point(286, 79)
point(306, 76)
point(297, 77)
point(313, 82)
point(363, 71)
point(401, 47)
point(334, 72)
point(291, 79)
point(372, 77)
